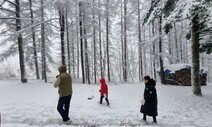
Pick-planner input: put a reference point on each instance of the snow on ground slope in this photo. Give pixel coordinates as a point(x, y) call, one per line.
point(34, 104)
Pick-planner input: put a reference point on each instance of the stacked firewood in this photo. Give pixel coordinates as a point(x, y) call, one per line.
point(182, 77)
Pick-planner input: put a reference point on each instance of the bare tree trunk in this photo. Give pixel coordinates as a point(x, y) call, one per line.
point(122, 40)
point(68, 42)
point(107, 40)
point(186, 52)
point(209, 68)
point(154, 51)
point(43, 45)
point(125, 42)
point(73, 49)
point(94, 43)
point(144, 51)
point(202, 60)
point(81, 40)
point(184, 44)
point(176, 45)
point(78, 54)
point(195, 56)
point(181, 43)
point(20, 42)
point(62, 32)
point(34, 41)
point(140, 45)
point(100, 41)
point(87, 66)
point(163, 81)
point(86, 57)
point(170, 49)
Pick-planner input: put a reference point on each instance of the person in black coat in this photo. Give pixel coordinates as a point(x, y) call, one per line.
point(150, 102)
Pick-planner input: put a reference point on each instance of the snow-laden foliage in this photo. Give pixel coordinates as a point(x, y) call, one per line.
point(178, 10)
point(10, 35)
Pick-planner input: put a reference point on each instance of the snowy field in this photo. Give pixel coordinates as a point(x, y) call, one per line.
point(34, 105)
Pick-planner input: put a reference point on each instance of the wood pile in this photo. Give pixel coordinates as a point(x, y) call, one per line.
point(182, 77)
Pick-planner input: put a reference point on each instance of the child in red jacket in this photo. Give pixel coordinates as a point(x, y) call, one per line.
point(104, 91)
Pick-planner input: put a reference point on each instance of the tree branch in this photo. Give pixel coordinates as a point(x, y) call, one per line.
point(7, 18)
point(15, 18)
point(2, 4)
point(2, 8)
point(37, 24)
point(206, 30)
point(11, 2)
point(54, 25)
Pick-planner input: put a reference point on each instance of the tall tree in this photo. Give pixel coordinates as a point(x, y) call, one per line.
point(20, 41)
point(170, 46)
point(163, 81)
point(43, 43)
point(30, 19)
point(107, 40)
point(122, 40)
point(14, 19)
point(73, 49)
point(87, 66)
point(94, 43)
point(195, 54)
point(61, 11)
point(144, 51)
point(78, 44)
point(81, 40)
point(68, 40)
point(181, 42)
point(125, 42)
point(140, 44)
point(34, 40)
point(154, 51)
point(100, 40)
point(177, 59)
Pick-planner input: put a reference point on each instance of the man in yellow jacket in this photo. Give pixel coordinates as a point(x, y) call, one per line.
point(64, 85)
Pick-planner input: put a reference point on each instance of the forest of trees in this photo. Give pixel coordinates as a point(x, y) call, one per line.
point(121, 40)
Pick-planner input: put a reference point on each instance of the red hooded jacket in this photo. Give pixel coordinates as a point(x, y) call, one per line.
point(104, 88)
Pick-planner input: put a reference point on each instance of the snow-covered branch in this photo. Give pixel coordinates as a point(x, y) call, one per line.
point(5, 9)
point(8, 18)
point(11, 2)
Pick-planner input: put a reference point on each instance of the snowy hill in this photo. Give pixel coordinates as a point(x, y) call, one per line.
point(34, 105)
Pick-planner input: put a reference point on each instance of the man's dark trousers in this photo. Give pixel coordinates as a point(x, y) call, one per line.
point(63, 107)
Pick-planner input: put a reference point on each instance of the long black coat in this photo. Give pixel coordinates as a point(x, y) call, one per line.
point(151, 101)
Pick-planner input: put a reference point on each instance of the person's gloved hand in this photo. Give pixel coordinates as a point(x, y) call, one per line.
point(56, 76)
point(142, 101)
point(99, 90)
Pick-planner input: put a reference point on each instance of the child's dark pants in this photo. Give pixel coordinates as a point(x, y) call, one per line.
point(106, 99)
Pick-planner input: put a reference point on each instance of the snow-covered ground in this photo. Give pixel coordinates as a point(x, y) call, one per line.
point(34, 104)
